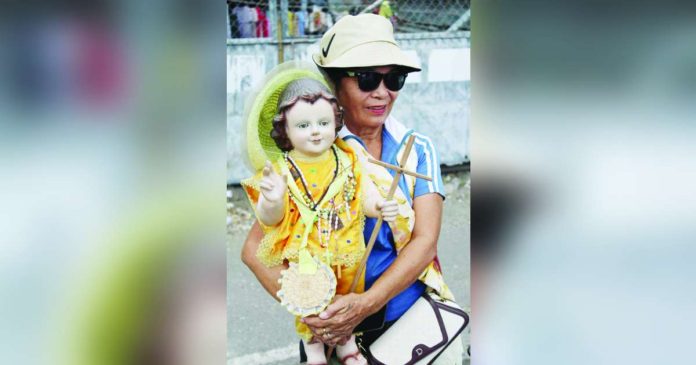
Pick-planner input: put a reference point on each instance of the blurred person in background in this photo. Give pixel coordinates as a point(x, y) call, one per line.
point(497, 206)
point(386, 11)
point(367, 68)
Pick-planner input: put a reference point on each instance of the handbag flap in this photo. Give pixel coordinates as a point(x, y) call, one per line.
point(420, 334)
point(453, 317)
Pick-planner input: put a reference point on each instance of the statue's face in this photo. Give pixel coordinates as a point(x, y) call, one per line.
point(311, 128)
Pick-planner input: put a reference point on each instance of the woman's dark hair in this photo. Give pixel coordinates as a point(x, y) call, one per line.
point(334, 75)
point(309, 90)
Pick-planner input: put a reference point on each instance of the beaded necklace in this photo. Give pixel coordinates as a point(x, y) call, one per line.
point(328, 218)
point(307, 196)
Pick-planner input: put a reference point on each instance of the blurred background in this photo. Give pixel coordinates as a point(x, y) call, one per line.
point(582, 182)
point(112, 186)
point(434, 101)
point(114, 159)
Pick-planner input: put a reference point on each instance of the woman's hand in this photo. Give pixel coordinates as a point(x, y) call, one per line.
point(336, 323)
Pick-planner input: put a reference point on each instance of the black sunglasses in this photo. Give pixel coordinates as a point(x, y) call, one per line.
point(369, 80)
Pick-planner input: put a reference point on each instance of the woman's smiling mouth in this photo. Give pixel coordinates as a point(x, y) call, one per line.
point(377, 110)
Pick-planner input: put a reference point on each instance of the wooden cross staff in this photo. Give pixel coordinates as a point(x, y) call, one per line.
point(373, 237)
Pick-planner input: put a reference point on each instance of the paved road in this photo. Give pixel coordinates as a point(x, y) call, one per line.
point(260, 331)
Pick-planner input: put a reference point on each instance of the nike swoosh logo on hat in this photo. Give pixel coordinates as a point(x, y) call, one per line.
point(325, 52)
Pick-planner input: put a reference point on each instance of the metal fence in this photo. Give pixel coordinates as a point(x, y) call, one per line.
point(282, 19)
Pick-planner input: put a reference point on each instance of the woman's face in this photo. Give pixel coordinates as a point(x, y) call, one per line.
point(366, 108)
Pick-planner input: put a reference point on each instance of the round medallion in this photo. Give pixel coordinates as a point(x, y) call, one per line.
point(303, 294)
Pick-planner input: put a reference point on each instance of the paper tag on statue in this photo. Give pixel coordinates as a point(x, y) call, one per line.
point(307, 264)
point(308, 218)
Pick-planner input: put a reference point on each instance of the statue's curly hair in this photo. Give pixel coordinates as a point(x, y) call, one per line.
point(309, 90)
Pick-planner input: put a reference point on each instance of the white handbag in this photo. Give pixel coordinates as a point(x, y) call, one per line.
point(421, 334)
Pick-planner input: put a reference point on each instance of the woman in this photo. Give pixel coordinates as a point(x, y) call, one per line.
point(367, 68)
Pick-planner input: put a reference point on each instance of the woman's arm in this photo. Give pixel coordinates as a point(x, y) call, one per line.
point(416, 255)
point(346, 312)
point(267, 276)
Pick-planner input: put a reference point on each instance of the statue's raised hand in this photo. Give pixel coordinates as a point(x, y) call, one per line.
point(272, 185)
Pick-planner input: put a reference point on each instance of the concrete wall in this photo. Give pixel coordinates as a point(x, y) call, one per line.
point(434, 101)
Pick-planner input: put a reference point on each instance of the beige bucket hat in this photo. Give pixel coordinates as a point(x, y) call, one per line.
point(363, 40)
